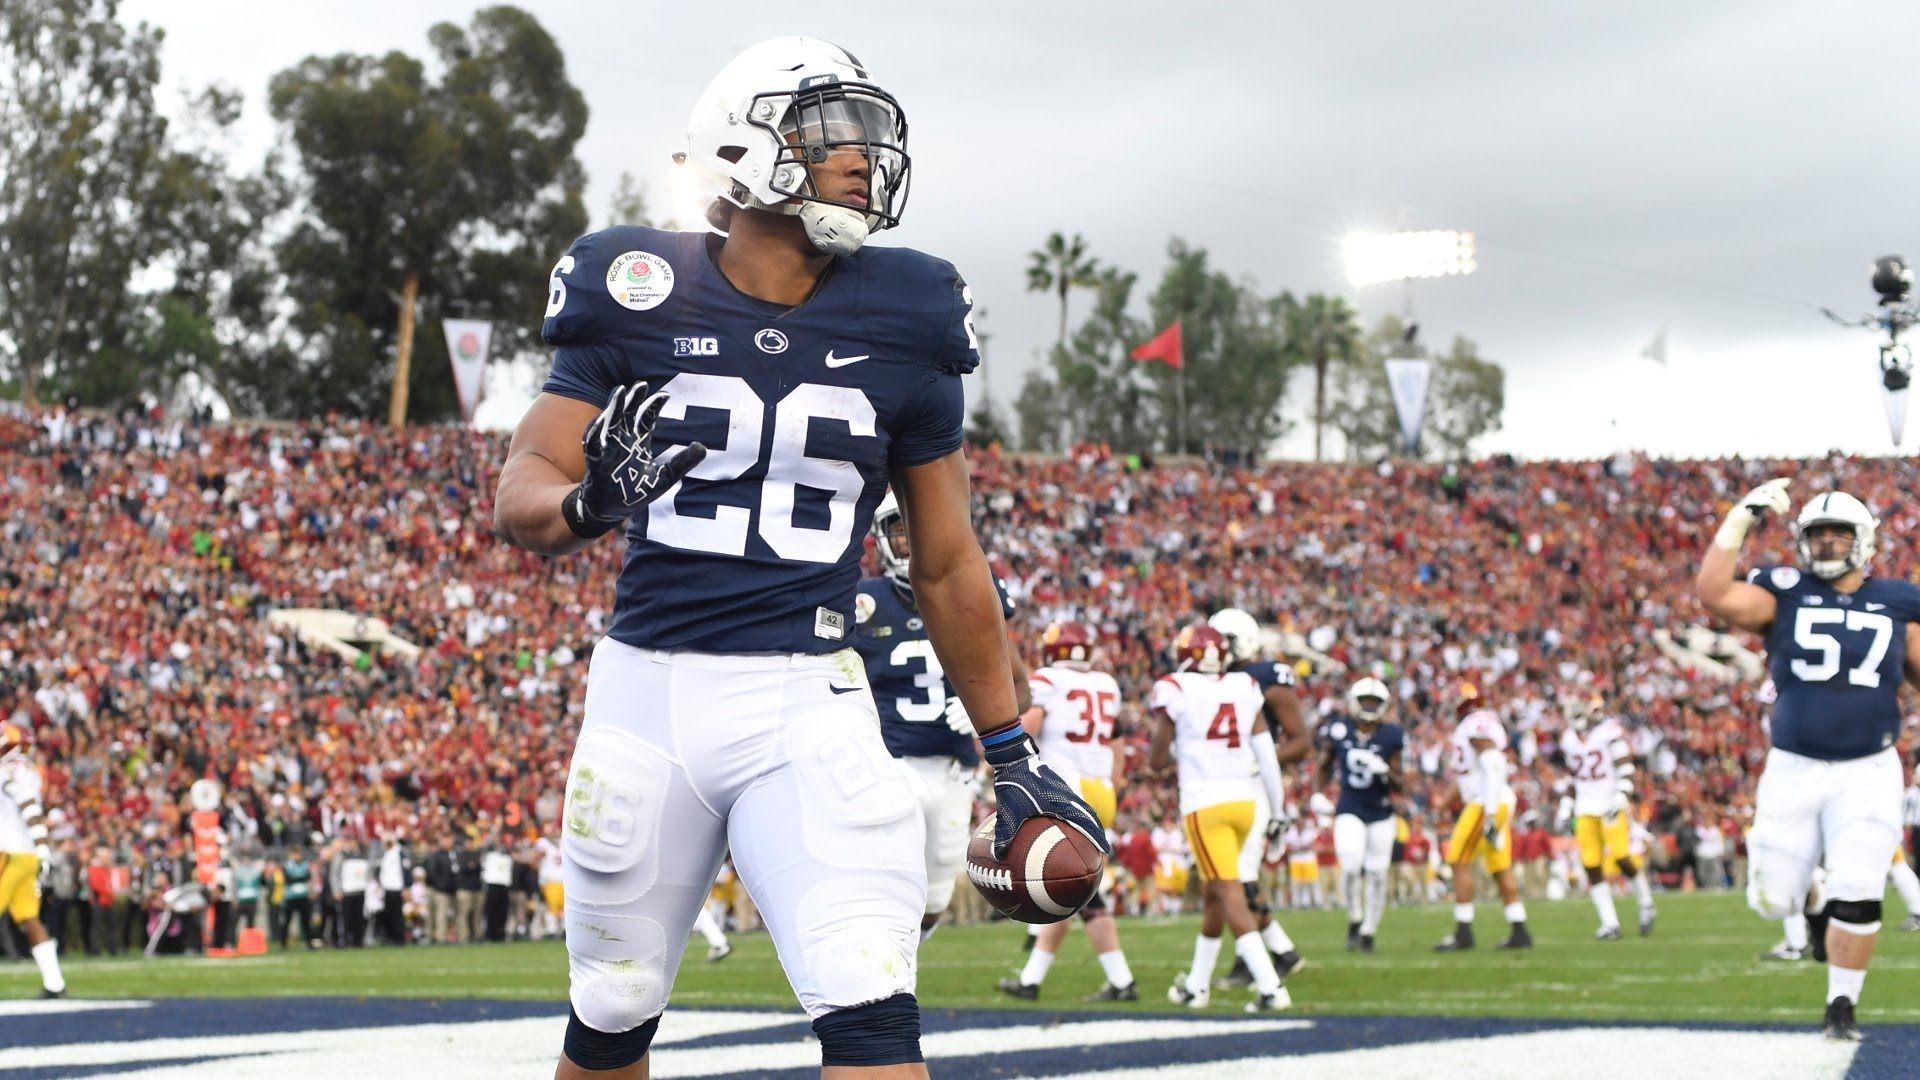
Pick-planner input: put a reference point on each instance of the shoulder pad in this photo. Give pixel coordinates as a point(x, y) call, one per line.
point(607, 278)
point(920, 305)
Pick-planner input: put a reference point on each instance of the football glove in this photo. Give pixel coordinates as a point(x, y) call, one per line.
point(623, 473)
point(1770, 497)
point(1276, 842)
point(1490, 829)
point(1025, 787)
point(957, 718)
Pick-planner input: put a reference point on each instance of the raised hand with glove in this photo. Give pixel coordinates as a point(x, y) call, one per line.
point(623, 471)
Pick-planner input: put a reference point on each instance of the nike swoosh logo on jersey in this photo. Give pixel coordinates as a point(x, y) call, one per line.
point(1875, 607)
point(842, 689)
point(842, 361)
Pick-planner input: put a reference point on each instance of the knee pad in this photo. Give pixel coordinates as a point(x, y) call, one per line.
point(1855, 916)
point(879, 1033)
point(1255, 902)
point(593, 1049)
point(939, 894)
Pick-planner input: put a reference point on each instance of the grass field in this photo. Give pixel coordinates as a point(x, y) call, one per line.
point(1700, 965)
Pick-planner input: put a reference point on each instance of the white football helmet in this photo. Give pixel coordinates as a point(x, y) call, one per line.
point(1369, 700)
point(1835, 508)
point(787, 104)
point(885, 516)
point(1241, 630)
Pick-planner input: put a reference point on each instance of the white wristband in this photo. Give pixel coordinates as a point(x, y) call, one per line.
point(1733, 531)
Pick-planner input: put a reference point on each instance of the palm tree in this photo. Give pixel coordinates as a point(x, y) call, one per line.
point(1060, 265)
point(1323, 329)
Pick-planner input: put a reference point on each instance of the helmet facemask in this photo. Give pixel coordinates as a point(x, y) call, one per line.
point(815, 123)
point(1857, 554)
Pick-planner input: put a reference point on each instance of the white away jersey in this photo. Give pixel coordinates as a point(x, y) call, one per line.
point(19, 786)
point(1076, 735)
point(1213, 717)
point(1590, 758)
point(1466, 767)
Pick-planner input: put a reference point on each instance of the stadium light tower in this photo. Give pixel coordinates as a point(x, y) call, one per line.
point(1898, 313)
point(1376, 258)
point(1373, 258)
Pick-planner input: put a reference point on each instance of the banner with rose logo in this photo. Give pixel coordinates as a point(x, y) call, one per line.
point(468, 341)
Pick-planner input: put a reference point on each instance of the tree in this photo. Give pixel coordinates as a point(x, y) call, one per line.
point(984, 426)
point(1059, 266)
point(1465, 397)
point(1466, 400)
point(1037, 409)
point(1237, 360)
point(82, 146)
point(1325, 331)
point(628, 206)
point(441, 195)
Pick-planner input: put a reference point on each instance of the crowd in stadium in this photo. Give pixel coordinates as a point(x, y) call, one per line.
point(145, 552)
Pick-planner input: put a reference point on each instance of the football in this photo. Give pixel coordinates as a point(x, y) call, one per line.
point(1051, 870)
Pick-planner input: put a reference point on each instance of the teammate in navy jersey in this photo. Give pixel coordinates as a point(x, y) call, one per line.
point(1838, 648)
point(923, 722)
point(1363, 751)
point(736, 405)
point(1292, 744)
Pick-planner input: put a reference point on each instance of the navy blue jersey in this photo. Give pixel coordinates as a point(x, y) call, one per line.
point(1270, 673)
point(908, 686)
point(803, 412)
point(1837, 661)
point(1363, 790)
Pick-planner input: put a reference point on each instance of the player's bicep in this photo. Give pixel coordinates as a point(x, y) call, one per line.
point(935, 496)
point(550, 432)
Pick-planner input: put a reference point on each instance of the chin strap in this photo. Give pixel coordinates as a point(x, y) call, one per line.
point(835, 230)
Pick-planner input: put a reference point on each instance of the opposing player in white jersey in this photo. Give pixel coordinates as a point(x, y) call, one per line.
point(1072, 719)
point(1478, 752)
point(1839, 645)
point(1212, 722)
point(23, 855)
point(1599, 763)
point(1292, 742)
point(736, 402)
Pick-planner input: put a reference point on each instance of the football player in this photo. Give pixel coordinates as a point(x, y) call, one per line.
point(1364, 751)
point(1212, 721)
point(736, 405)
point(1266, 843)
point(1302, 841)
point(1838, 648)
point(23, 855)
point(1485, 829)
point(1072, 718)
point(923, 722)
point(1594, 749)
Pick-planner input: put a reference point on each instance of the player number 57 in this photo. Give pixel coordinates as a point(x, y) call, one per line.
point(1808, 635)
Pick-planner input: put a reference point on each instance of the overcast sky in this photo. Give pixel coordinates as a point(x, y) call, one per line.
point(1720, 169)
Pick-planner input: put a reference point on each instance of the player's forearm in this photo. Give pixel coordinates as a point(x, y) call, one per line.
point(1298, 742)
point(527, 507)
point(1717, 576)
point(969, 635)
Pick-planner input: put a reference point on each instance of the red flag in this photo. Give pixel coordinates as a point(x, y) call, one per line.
point(1165, 347)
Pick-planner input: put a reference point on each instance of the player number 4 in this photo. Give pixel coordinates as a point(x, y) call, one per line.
point(1226, 725)
point(1807, 635)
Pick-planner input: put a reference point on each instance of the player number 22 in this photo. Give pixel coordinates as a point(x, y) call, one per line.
point(1807, 635)
point(789, 468)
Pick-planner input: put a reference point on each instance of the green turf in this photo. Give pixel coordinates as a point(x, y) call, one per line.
point(1699, 965)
